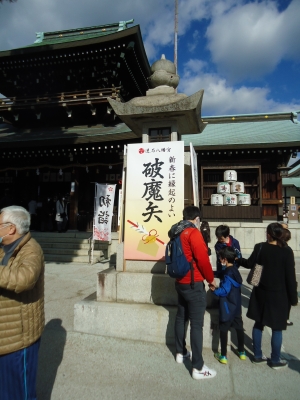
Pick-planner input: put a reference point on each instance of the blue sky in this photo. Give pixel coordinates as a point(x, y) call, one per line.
point(244, 54)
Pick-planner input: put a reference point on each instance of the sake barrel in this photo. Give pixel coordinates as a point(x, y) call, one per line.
point(244, 199)
point(229, 199)
point(223, 187)
point(230, 176)
point(237, 187)
point(216, 199)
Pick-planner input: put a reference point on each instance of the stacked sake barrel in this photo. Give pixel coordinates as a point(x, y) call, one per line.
point(230, 192)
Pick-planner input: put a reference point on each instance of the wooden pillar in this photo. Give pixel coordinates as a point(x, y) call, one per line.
point(74, 199)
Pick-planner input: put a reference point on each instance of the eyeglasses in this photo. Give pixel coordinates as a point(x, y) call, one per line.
point(6, 223)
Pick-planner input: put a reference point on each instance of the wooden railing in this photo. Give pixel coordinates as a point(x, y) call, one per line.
point(62, 99)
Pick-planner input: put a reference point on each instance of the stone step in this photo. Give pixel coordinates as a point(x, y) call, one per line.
point(61, 239)
point(143, 288)
point(70, 246)
point(74, 252)
point(75, 234)
point(80, 246)
point(64, 242)
point(67, 258)
point(147, 322)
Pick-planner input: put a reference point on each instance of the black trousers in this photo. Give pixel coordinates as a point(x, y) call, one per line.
point(191, 306)
point(237, 324)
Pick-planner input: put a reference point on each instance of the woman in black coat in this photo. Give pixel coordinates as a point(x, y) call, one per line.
point(277, 291)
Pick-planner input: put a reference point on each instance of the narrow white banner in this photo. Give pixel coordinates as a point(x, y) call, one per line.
point(103, 211)
point(194, 167)
point(120, 206)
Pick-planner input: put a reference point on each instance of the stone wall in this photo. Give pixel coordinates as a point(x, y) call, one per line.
point(247, 233)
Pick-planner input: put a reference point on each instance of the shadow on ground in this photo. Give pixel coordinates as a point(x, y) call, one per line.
point(50, 356)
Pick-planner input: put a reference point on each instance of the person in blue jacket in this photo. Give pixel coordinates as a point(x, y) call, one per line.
point(224, 240)
point(230, 306)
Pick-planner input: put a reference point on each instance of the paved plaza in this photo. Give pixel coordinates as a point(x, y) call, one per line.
point(80, 366)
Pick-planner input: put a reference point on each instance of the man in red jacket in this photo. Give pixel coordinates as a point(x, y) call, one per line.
point(192, 297)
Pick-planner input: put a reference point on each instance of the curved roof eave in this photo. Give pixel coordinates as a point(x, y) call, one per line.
point(40, 47)
point(246, 135)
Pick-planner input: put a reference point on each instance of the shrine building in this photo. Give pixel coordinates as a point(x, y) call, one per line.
point(58, 133)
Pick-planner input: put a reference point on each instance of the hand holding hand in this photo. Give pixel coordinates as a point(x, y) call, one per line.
point(214, 283)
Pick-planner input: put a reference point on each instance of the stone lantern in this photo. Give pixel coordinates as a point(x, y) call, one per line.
point(162, 107)
point(136, 299)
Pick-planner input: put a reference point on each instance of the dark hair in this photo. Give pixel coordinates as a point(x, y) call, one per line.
point(283, 223)
point(190, 213)
point(205, 230)
point(276, 232)
point(228, 253)
point(222, 230)
point(286, 235)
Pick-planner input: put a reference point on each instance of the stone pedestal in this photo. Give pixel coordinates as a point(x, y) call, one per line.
point(134, 321)
point(138, 306)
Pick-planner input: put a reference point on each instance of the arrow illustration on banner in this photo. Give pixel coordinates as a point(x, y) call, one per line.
point(141, 229)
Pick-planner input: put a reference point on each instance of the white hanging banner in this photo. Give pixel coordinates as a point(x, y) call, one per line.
point(120, 206)
point(103, 211)
point(194, 167)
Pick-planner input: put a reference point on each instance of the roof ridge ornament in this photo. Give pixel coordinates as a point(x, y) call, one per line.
point(294, 116)
point(123, 24)
point(39, 37)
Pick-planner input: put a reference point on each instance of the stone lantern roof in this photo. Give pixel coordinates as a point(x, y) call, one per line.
point(162, 102)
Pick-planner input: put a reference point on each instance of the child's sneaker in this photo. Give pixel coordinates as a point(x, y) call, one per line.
point(180, 357)
point(205, 373)
point(220, 358)
point(242, 355)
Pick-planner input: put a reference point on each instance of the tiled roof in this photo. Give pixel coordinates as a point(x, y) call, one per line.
point(246, 134)
point(79, 34)
point(295, 171)
point(76, 134)
point(291, 182)
point(67, 39)
point(228, 135)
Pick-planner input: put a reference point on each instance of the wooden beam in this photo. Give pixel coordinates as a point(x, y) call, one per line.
point(272, 201)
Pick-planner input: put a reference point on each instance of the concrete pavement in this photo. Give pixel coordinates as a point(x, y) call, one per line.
point(81, 366)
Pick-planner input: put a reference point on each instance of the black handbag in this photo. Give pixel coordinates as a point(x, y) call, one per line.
point(63, 215)
point(254, 275)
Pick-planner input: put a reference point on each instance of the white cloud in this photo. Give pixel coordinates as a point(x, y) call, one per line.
point(161, 30)
point(194, 67)
point(222, 99)
point(192, 45)
point(19, 21)
point(249, 40)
